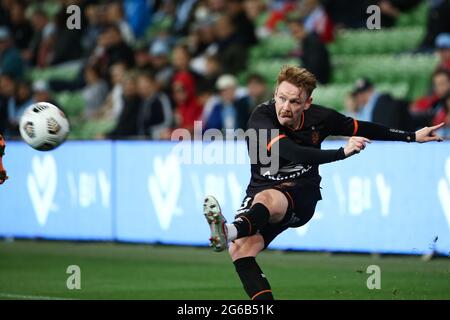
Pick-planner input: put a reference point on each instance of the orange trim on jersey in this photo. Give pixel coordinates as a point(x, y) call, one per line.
point(259, 293)
point(303, 121)
point(355, 125)
point(249, 224)
point(269, 145)
point(290, 198)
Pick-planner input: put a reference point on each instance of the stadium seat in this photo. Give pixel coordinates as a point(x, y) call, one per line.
point(71, 102)
point(91, 129)
point(395, 40)
point(416, 17)
point(277, 45)
point(268, 68)
point(62, 72)
point(333, 95)
point(406, 68)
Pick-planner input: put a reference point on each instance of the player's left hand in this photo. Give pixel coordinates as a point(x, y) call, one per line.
point(428, 134)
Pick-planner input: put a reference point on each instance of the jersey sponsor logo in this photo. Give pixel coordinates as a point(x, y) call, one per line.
point(315, 137)
point(288, 172)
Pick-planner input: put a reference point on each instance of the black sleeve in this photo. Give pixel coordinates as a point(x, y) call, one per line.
point(291, 151)
point(346, 126)
point(287, 148)
point(156, 114)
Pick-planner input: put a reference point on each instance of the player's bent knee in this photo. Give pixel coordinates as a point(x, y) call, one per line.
point(265, 198)
point(275, 201)
point(246, 247)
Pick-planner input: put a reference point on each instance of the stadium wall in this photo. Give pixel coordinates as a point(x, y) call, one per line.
point(391, 198)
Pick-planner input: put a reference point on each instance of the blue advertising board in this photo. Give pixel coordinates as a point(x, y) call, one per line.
point(393, 197)
point(63, 194)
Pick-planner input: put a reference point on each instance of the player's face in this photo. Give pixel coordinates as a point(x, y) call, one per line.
point(290, 102)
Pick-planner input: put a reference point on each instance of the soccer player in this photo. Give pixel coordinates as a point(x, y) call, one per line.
point(276, 201)
point(3, 176)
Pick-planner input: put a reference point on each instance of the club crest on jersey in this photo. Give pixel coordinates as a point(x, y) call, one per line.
point(315, 137)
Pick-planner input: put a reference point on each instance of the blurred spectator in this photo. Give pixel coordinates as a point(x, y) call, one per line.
point(160, 64)
point(443, 115)
point(115, 14)
point(67, 43)
point(17, 104)
point(257, 12)
point(257, 90)
point(181, 61)
point(5, 12)
point(216, 7)
point(46, 48)
point(442, 45)
point(23, 98)
point(312, 12)
point(202, 36)
point(438, 21)
point(111, 49)
point(202, 43)
point(231, 52)
point(187, 107)
point(315, 19)
point(241, 22)
point(113, 104)
point(94, 24)
point(441, 85)
point(155, 115)
point(20, 27)
point(138, 15)
point(231, 111)
point(40, 47)
point(312, 52)
point(182, 16)
point(10, 117)
point(128, 119)
point(41, 93)
point(95, 91)
point(347, 13)
point(350, 105)
point(10, 61)
point(142, 58)
point(278, 12)
point(378, 107)
point(213, 70)
point(425, 109)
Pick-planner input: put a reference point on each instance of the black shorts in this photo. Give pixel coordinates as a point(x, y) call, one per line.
point(302, 203)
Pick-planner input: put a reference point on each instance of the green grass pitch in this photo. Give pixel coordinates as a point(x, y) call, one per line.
point(37, 270)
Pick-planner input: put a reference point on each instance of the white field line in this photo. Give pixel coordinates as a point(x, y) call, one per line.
point(30, 297)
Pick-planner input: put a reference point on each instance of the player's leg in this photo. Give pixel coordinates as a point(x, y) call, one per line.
point(268, 206)
point(243, 252)
point(3, 176)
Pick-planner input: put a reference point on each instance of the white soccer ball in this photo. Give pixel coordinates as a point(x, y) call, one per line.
point(44, 126)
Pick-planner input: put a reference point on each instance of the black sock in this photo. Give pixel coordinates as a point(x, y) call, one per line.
point(256, 218)
point(253, 279)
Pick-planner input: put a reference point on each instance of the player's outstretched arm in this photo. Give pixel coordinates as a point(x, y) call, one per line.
point(291, 151)
point(428, 134)
point(3, 176)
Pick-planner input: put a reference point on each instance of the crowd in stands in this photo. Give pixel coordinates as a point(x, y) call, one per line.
point(149, 67)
